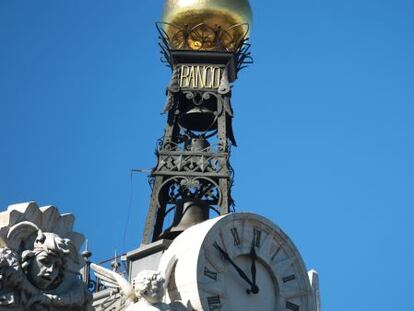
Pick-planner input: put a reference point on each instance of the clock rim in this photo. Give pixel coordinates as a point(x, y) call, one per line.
point(199, 234)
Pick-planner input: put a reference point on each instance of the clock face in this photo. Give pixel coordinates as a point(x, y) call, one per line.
point(243, 262)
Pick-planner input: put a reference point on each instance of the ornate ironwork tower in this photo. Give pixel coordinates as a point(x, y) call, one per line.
point(193, 177)
point(204, 42)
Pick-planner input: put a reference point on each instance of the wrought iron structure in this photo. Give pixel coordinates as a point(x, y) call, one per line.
point(94, 284)
point(203, 37)
point(193, 176)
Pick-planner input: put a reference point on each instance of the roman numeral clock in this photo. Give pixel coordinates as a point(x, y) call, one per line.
point(212, 258)
point(239, 261)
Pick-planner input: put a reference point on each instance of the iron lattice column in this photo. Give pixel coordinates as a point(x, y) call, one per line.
point(193, 176)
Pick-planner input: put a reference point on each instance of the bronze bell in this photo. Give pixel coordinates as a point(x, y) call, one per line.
point(198, 119)
point(197, 144)
point(187, 214)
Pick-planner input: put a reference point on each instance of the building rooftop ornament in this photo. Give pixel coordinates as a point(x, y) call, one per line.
point(145, 293)
point(197, 253)
point(40, 260)
point(206, 25)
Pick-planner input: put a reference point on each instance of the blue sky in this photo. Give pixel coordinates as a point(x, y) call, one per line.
point(327, 108)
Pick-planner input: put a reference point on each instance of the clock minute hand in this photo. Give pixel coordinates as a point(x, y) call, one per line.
point(253, 256)
point(240, 271)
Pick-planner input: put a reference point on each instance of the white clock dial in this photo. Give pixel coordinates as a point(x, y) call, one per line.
point(238, 262)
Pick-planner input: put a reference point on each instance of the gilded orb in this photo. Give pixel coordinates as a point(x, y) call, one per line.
point(206, 24)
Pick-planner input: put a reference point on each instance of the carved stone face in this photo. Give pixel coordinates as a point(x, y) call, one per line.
point(156, 292)
point(44, 270)
point(151, 287)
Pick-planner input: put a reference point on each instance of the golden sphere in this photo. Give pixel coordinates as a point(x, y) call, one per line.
point(206, 24)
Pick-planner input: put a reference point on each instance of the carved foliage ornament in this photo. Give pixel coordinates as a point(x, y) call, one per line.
point(40, 261)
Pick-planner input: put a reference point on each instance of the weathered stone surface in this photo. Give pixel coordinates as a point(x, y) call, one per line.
point(314, 280)
point(40, 261)
point(146, 293)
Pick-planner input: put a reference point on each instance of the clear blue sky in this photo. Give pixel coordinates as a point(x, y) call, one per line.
point(328, 108)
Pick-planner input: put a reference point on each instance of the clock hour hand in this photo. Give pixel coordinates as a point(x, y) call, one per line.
point(239, 271)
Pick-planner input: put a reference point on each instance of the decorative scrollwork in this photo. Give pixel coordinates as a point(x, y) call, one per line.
point(192, 188)
point(244, 56)
point(92, 286)
point(205, 38)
